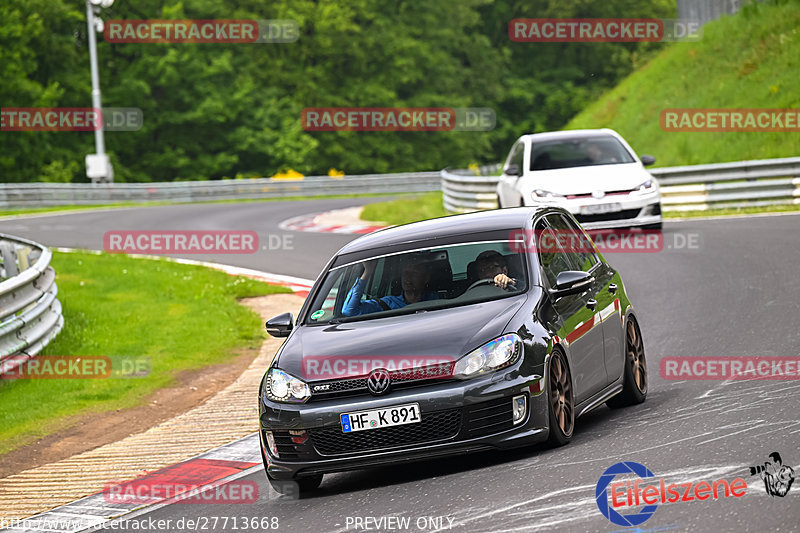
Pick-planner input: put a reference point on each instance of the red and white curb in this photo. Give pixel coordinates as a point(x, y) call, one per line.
point(316, 223)
point(301, 286)
point(212, 470)
point(207, 473)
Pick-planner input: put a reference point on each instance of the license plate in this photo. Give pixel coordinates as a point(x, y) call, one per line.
point(599, 209)
point(381, 418)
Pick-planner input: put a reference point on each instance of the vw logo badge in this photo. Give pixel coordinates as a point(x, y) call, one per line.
point(598, 194)
point(378, 381)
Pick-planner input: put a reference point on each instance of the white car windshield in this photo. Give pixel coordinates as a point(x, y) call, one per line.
point(579, 152)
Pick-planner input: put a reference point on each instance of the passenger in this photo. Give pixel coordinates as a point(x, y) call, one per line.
point(413, 280)
point(491, 264)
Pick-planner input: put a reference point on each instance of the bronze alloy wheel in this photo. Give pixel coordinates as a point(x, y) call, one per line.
point(636, 360)
point(634, 389)
point(561, 397)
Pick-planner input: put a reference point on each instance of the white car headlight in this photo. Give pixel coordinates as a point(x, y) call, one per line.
point(501, 352)
point(645, 185)
point(541, 193)
point(283, 387)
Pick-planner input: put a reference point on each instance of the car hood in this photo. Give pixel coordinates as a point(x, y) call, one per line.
point(438, 334)
point(584, 180)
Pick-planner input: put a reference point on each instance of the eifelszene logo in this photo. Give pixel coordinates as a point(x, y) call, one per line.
point(778, 478)
point(632, 494)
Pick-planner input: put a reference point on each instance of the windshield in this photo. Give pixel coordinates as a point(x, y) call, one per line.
point(431, 278)
point(582, 152)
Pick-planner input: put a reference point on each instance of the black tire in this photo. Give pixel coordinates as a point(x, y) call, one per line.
point(295, 487)
point(634, 388)
point(499, 203)
point(560, 400)
point(653, 226)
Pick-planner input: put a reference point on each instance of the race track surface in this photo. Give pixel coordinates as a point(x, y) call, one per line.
point(735, 292)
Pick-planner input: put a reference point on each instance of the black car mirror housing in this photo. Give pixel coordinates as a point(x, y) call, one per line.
point(280, 326)
point(571, 282)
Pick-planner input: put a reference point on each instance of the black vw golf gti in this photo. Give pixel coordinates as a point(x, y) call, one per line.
point(472, 332)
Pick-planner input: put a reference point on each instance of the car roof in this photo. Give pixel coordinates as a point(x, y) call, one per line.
point(445, 228)
point(568, 134)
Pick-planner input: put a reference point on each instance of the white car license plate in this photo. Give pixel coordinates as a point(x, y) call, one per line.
point(599, 209)
point(381, 418)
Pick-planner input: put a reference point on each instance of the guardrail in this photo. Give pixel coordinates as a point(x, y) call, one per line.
point(698, 187)
point(739, 184)
point(30, 313)
point(55, 194)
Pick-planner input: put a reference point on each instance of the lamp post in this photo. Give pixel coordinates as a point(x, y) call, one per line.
point(98, 166)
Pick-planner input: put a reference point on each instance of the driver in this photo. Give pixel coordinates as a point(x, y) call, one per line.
point(491, 264)
point(599, 155)
point(414, 279)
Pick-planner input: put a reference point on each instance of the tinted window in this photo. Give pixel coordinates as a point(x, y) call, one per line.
point(581, 152)
point(432, 278)
point(516, 155)
point(579, 249)
point(552, 257)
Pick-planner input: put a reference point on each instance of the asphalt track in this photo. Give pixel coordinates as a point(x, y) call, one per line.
point(734, 292)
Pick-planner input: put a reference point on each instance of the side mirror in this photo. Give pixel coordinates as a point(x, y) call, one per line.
point(512, 170)
point(280, 326)
point(571, 282)
point(648, 160)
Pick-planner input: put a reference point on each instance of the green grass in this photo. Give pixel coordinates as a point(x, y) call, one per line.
point(179, 316)
point(749, 60)
point(403, 211)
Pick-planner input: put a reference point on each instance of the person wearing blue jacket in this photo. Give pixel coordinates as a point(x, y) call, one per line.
point(413, 280)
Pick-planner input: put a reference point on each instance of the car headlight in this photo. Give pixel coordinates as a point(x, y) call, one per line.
point(645, 185)
point(541, 193)
point(283, 387)
point(501, 352)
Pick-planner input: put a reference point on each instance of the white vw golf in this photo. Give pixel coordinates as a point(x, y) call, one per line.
point(594, 174)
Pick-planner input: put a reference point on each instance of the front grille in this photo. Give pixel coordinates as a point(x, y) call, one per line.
point(618, 215)
point(608, 193)
point(489, 417)
point(436, 426)
point(338, 388)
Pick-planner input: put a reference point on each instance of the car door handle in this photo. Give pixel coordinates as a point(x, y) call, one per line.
point(591, 304)
point(612, 288)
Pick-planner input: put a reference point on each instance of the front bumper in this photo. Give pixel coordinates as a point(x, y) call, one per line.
point(634, 210)
point(457, 417)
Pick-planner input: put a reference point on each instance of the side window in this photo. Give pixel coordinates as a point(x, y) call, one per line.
point(551, 255)
point(516, 155)
point(580, 252)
